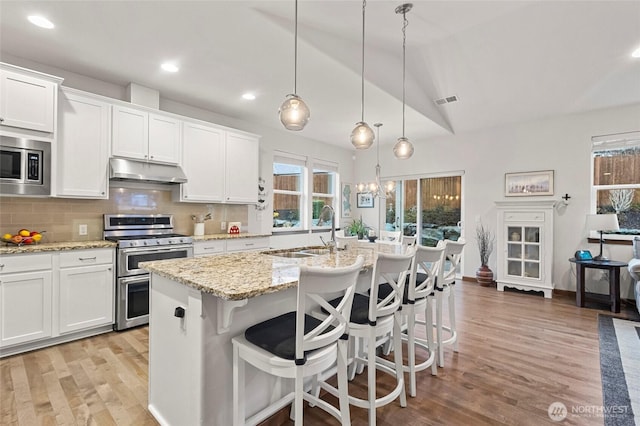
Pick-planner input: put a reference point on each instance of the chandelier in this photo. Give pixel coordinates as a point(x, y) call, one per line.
point(375, 188)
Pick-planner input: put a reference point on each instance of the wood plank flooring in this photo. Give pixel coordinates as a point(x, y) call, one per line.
point(518, 353)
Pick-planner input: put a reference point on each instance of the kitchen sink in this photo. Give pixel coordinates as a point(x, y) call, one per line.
point(295, 254)
point(314, 251)
point(298, 253)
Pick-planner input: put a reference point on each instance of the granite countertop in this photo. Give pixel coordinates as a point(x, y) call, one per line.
point(61, 246)
point(210, 237)
point(243, 275)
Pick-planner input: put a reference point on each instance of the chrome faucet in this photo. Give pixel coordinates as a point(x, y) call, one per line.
point(332, 243)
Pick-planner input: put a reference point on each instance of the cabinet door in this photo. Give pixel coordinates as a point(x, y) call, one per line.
point(25, 307)
point(203, 163)
point(86, 297)
point(242, 152)
point(130, 133)
point(27, 102)
point(164, 139)
point(83, 147)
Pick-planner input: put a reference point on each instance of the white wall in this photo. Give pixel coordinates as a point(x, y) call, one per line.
point(562, 144)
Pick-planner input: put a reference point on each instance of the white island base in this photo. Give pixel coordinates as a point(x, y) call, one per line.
point(190, 362)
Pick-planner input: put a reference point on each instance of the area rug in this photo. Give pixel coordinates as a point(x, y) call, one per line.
point(620, 369)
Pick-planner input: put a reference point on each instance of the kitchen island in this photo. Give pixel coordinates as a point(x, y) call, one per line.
point(197, 305)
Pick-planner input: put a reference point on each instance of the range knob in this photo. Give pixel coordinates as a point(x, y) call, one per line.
point(145, 243)
point(158, 242)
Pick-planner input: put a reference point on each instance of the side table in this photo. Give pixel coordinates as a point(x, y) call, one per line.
point(612, 266)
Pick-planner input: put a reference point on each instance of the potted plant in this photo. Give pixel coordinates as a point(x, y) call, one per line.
point(486, 241)
point(357, 227)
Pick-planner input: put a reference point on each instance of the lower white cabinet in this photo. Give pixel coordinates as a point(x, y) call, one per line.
point(208, 248)
point(50, 298)
point(86, 289)
point(243, 244)
point(25, 307)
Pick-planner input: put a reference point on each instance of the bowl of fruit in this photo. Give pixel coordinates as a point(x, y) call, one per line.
point(23, 237)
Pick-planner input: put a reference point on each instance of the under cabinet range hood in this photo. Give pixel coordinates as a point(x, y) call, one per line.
point(140, 171)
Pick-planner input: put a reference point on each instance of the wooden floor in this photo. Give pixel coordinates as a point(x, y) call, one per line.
point(518, 353)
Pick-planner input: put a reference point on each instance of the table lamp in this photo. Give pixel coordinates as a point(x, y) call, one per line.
point(602, 223)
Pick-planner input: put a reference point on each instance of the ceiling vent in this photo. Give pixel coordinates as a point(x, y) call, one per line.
point(446, 100)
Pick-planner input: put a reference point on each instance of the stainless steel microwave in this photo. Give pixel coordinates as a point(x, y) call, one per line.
point(25, 166)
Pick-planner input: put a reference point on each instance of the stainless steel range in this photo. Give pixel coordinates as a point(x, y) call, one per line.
point(140, 238)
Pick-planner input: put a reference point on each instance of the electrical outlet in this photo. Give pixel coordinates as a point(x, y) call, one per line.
point(82, 229)
point(223, 226)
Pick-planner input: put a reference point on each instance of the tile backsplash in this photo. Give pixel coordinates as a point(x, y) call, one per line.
point(61, 217)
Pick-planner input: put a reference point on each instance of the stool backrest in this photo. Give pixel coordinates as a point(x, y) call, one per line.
point(431, 261)
point(390, 236)
point(316, 286)
point(452, 253)
point(408, 240)
point(394, 270)
point(343, 242)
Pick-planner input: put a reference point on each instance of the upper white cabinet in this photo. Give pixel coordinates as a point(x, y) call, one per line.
point(203, 163)
point(27, 99)
point(83, 145)
point(221, 165)
point(142, 135)
point(242, 165)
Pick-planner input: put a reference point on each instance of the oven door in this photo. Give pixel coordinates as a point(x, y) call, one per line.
point(130, 258)
point(132, 307)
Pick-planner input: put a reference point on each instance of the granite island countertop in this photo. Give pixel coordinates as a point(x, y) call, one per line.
point(238, 276)
point(59, 246)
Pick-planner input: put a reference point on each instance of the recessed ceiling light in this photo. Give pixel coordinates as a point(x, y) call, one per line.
point(636, 53)
point(249, 96)
point(169, 67)
point(40, 21)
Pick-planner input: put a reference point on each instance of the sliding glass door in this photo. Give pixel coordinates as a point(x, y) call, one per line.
point(428, 207)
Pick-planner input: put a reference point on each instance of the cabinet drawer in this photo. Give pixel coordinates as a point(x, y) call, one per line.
point(205, 248)
point(524, 216)
point(25, 262)
point(247, 244)
point(85, 257)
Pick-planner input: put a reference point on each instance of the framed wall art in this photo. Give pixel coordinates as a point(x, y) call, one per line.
point(346, 200)
point(365, 200)
point(527, 184)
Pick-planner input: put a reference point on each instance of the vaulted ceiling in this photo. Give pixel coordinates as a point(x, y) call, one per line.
point(506, 61)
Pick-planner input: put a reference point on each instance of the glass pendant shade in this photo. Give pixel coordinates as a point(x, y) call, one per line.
point(294, 113)
point(403, 149)
point(362, 136)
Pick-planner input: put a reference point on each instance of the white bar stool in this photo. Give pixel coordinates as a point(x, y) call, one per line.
point(452, 253)
point(296, 345)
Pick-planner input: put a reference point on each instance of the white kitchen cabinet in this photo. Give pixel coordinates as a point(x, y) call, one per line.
point(203, 163)
point(142, 135)
point(242, 166)
point(25, 298)
point(83, 145)
point(244, 244)
point(28, 99)
point(525, 245)
point(87, 286)
point(208, 248)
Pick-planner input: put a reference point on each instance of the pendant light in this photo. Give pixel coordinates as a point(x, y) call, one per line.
point(375, 188)
point(362, 135)
point(294, 113)
point(403, 149)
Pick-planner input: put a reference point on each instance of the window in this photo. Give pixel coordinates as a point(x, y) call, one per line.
point(299, 198)
point(324, 191)
point(289, 183)
point(616, 178)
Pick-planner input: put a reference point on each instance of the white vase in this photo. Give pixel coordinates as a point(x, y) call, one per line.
point(198, 228)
